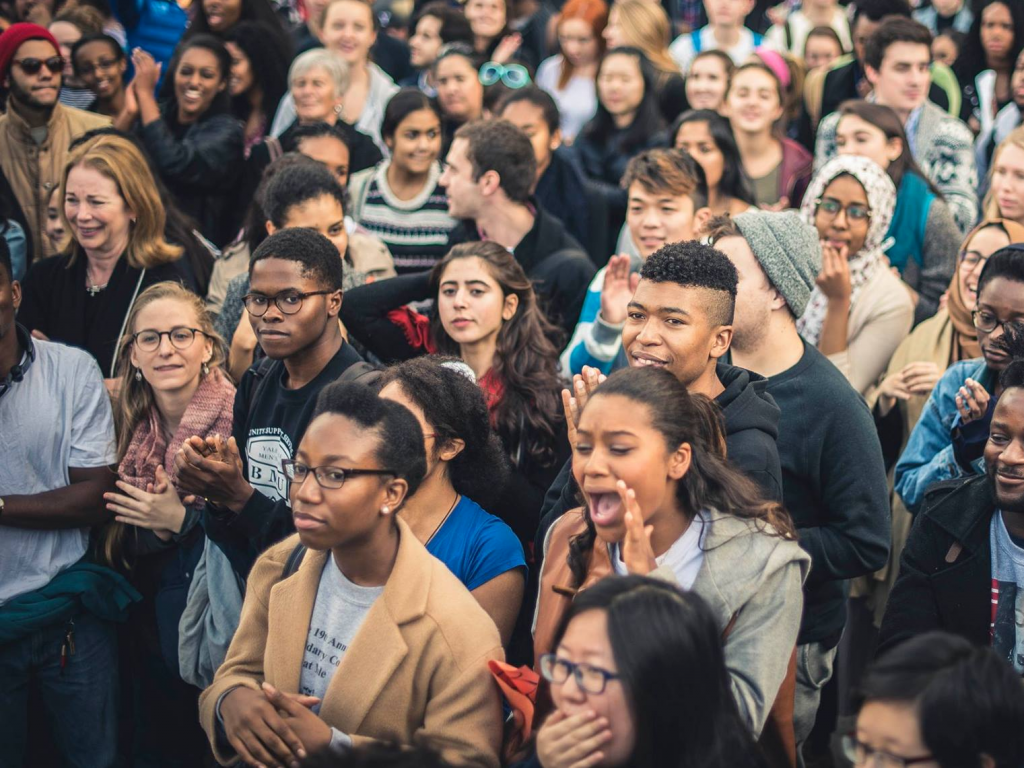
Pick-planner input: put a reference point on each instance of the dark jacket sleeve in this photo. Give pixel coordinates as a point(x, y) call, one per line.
point(364, 311)
point(34, 312)
point(208, 156)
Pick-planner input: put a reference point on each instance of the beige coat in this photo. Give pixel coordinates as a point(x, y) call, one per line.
point(416, 672)
point(35, 169)
point(879, 320)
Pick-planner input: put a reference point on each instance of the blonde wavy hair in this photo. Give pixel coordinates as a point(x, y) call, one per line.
point(121, 161)
point(1014, 138)
point(645, 25)
point(135, 397)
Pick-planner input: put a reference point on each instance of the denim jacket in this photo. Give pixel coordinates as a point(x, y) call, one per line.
point(929, 457)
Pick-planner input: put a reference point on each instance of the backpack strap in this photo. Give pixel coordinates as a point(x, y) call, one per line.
point(291, 565)
point(361, 373)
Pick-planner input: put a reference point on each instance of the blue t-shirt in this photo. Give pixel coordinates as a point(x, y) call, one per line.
point(475, 545)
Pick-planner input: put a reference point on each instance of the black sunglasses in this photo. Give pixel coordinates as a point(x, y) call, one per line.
point(31, 66)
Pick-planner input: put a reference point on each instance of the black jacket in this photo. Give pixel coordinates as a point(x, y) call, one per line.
point(562, 192)
point(751, 428)
point(200, 164)
point(945, 579)
point(553, 260)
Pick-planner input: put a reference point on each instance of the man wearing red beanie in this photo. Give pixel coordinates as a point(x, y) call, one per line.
point(37, 130)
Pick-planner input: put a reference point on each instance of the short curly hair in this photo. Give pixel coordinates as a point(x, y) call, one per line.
point(297, 184)
point(317, 255)
point(691, 264)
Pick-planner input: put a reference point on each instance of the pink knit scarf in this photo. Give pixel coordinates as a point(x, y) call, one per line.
point(209, 412)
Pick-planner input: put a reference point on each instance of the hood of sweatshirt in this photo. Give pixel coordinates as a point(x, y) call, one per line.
point(745, 403)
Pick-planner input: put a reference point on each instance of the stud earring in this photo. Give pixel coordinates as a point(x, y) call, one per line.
point(385, 510)
point(206, 370)
point(138, 375)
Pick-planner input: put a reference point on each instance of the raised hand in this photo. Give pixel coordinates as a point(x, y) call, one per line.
point(573, 402)
point(619, 287)
point(147, 71)
point(972, 401)
point(637, 553)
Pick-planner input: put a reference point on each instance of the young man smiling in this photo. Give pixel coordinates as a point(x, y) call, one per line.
point(897, 60)
point(293, 303)
point(37, 130)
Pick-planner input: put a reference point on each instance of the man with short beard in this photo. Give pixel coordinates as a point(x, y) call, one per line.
point(963, 566)
point(37, 130)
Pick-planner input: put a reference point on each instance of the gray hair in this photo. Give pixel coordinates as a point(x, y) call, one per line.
point(323, 59)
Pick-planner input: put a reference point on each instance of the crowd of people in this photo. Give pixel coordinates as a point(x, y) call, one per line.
point(512, 384)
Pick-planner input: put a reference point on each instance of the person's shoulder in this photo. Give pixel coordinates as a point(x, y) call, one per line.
point(752, 547)
point(65, 362)
point(475, 521)
point(548, 69)
point(46, 269)
point(949, 127)
point(466, 628)
point(82, 121)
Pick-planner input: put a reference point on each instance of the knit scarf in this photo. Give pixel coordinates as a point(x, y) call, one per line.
point(209, 412)
point(870, 258)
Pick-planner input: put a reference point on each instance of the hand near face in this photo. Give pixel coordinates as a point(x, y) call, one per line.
point(972, 401)
point(572, 741)
point(637, 553)
point(507, 48)
point(573, 402)
point(619, 287)
point(147, 71)
point(834, 278)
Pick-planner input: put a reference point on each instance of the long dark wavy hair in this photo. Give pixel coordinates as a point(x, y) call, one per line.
point(673, 673)
point(269, 58)
point(529, 417)
point(711, 482)
point(734, 183)
point(648, 120)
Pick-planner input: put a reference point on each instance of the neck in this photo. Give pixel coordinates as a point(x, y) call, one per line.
point(172, 405)
point(434, 499)
point(255, 98)
point(726, 37)
point(778, 349)
point(480, 354)
point(35, 117)
point(100, 264)
point(400, 178)
point(717, 202)
point(668, 525)
point(541, 169)
point(819, 16)
point(624, 120)
point(753, 145)
point(1014, 522)
point(505, 222)
point(902, 114)
point(186, 118)
point(112, 106)
point(708, 383)
point(370, 562)
point(10, 350)
point(305, 365)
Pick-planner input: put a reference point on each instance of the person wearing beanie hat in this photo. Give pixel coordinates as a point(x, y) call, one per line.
point(833, 475)
point(36, 130)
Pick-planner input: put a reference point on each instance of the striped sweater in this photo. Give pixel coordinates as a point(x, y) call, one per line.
point(416, 230)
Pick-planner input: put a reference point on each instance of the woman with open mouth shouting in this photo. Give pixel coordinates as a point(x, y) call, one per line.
point(661, 499)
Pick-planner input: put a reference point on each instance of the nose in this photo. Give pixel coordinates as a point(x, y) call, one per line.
point(165, 347)
point(650, 219)
point(647, 336)
point(308, 490)
point(571, 690)
point(840, 217)
point(459, 300)
point(273, 313)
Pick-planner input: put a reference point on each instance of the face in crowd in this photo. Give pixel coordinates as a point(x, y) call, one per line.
point(754, 104)
point(348, 30)
point(706, 83)
point(850, 224)
point(620, 86)
point(471, 304)
point(197, 82)
point(35, 75)
point(169, 347)
point(97, 214)
point(972, 260)
point(657, 217)
point(904, 76)
point(316, 96)
point(856, 136)
point(221, 15)
point(1007, 187)
point(101, 69)
point(578, 42)
point(459, 91)
point(330, 151)
point(1000, 300)
point(465, 194)
point(696, 138)
point(425, 42)
point(529, 118)
point(486, 17)
point(416, 143)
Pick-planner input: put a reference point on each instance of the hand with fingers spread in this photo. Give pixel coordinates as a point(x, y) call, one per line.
point(572, 741)
point(618, 289)
point(637, 553)
point(256, 731)
point(507, 48)
point(212, 468)
point(972, 401)
point(158, 508)
point(573, 402)
point(295, 710)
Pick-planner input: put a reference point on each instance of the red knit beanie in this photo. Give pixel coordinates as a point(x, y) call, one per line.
point(14, 36)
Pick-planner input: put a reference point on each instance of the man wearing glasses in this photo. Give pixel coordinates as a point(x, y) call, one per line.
point(37, 130)
point(949, 439)
point(293, 303)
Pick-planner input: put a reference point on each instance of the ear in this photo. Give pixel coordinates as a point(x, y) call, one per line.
point(893, 148)
point(334, 303)
point(511, 307)
point(871, 74)
point(16, 294)
point(223, 85)
point(451, 449)
point(489, 183)
point(701, 219)
point(556, 139)
point(271, 229)
point(778, 301)
point(209, 350)
point(722, 341)
point(132, 359)
point(679, 462)
point(394, 494)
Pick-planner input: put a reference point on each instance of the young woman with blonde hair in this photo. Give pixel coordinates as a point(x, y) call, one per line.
point(1005, 198)
point(172, 386)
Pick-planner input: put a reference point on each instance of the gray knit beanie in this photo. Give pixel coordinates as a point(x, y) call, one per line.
point(788, 250)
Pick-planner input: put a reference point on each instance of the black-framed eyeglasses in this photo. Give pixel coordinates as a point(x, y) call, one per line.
point(31, 66)
point(329, 478)
point(514, 76)
point(588, 677)
point(861, 754)
point(289, 302)
point(986, 322)
point(180, 338)
point(972, 259)
point(832, 207)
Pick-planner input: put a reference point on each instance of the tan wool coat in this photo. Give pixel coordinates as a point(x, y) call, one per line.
point(415, 673)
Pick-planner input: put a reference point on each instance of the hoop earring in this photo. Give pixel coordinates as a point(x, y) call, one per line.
point(138, 375)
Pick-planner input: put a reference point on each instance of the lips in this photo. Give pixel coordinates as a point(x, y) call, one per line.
point(643, 360)
point(272, 335)
point(88, 232)
point(167, 368)
point(462, 322)
point(304, 522)
point(605, 508)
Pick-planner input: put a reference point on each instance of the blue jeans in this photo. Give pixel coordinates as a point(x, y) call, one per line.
point(79, 703)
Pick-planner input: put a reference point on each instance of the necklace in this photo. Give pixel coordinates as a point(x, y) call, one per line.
point(92, 290)
point(443, 520)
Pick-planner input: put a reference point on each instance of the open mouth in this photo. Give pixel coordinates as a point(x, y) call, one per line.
point(605, 507)
point(640, 360)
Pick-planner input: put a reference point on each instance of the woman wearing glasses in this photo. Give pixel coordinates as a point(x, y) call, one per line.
point(923, 234)
point(624, 697)
point(100, 63)
point(859, 311)
point(172, 386)
point(351, 631)
point(116, 221)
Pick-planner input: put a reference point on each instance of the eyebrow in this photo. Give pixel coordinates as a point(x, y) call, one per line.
point(468, 282)
point(328, 460)
point(660, 310)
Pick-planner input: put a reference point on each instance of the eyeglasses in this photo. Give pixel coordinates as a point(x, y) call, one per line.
point(861, 754)
point(831, 208)
point(514, 76)
point(986, 322)
point(972, 259)
point(101, 65)
point(289, 302)
point(31, 66)
point(588, 678)
point(180, 338)
point(329, 478)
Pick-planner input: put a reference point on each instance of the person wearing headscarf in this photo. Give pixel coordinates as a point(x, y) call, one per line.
point(859, 312)
point(898, 401)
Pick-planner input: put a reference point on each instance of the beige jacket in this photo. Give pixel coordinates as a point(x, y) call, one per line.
point(879, 320)
point(416, 672)
point(35, 169)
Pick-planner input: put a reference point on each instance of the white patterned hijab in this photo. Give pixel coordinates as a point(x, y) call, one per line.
point(881, 195)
